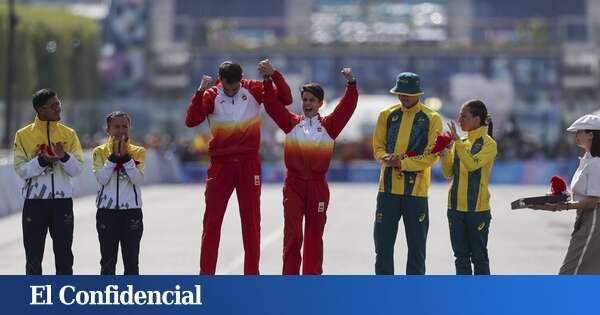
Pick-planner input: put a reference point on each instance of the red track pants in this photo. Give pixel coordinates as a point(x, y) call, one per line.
point(225, 174)
point(304, 199)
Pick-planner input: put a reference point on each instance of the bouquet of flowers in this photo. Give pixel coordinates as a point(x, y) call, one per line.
point(558, 194)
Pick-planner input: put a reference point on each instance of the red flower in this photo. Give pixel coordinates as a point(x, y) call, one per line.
point(406, 155)
point(410, 154)
point(441, 142)
point(558, 185)
point(119, 165)
point(46, 148)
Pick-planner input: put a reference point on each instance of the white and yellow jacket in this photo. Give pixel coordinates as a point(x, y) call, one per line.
point(119, 180)
point(47, 181)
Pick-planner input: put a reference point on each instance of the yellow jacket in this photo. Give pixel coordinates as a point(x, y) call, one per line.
point(469, 162)
point(119, 187)
point(403, 131)
point(46, 182)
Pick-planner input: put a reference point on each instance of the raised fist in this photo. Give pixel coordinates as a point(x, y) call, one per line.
point(207, 81)
point(347, 73)
point(265, 68)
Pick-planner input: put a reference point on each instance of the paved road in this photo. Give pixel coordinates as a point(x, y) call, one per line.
point(521, 241)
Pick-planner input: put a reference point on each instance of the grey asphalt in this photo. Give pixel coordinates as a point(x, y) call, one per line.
point(521, 241)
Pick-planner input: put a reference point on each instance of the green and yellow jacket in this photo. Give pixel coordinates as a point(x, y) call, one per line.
point(469, 162)
point(409, 132)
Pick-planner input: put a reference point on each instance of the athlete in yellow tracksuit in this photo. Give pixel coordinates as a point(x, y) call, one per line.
point(402, 141)
point(469, 162)
point(47, 154)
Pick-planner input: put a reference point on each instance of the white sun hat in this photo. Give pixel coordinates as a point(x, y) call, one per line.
point(586, 122)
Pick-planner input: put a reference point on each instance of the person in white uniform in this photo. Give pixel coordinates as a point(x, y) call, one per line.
point(583, 255)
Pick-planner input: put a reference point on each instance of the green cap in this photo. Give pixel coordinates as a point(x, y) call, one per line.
point(407, 83)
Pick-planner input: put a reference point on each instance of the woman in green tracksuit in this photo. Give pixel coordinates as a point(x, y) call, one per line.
point(469, 160)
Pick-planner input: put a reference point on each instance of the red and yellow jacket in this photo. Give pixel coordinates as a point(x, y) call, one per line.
point(234, 121)
point(309, 142)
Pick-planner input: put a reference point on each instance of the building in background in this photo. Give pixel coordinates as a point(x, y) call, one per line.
point(535, 62)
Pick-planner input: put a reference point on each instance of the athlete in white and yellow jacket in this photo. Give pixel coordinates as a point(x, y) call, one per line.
point(47, 154)
point(118, 167)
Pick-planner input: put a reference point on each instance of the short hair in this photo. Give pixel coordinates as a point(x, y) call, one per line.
point(116, 114)
point(41, 97)
point(314, 89)
point(230, 72)
point(595, 149)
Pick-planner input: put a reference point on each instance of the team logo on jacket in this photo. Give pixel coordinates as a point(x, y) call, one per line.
point(244, 97)
point(256, 180)
point(395, 117)
point(379, 217)
point(68, 219)
point(422, 217)
point(321, 206)
point(134, 224)
point(481, 226)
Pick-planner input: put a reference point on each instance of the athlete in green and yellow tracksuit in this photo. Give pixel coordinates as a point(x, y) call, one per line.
point(402, 141)
point(469, 162)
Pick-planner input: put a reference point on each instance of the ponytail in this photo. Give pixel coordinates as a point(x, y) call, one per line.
point(490, 125)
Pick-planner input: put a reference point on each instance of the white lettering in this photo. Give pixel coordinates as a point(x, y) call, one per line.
point(63, 292)
point(140, 298)
point(154, 298)
point(198, 295)
point(114, 295)
point(43, 291)
point(126, 297)
point(82, 297)
point(177, 295)
point(97, 297)
point(165, 299)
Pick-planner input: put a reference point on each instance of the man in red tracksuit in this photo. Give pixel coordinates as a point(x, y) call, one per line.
point(232, 108)
point(308, 148)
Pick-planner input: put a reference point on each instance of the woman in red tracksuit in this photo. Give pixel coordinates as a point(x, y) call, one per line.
point(308, 149)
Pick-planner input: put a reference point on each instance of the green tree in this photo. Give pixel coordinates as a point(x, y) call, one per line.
point(55, 49)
